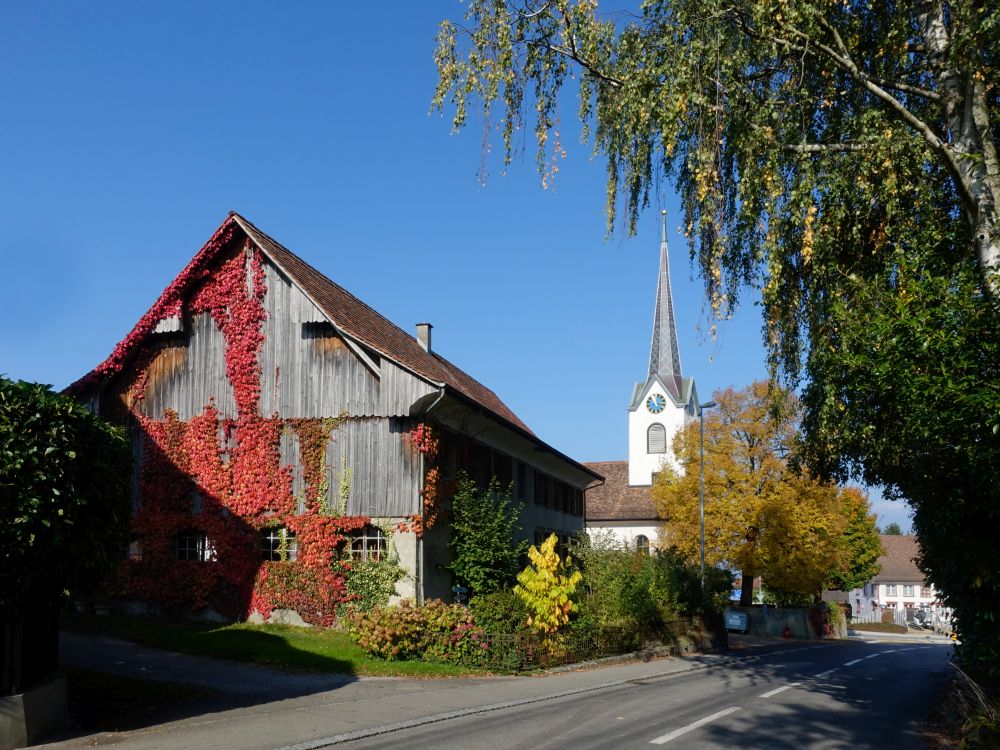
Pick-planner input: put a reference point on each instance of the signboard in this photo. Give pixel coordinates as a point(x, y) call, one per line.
point(735, 620)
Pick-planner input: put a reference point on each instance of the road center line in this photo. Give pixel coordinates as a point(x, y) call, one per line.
point(829, 671)
point(693, 725)
point(852, 663)
point(872, 656)
point(783, 688)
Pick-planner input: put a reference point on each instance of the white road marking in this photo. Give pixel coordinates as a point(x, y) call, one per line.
point(852, 663)
point(829, 671)
point(872, 656)
point(693, 725)
point(782, 689)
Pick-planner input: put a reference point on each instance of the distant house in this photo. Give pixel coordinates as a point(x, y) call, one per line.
point(659, 407)
point(283, 429)
point(899, 585)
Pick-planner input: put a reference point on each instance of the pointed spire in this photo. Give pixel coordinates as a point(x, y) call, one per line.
point(664, 353)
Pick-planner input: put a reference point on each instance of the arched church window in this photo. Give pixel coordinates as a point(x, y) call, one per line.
point(642, 544)
point(656, 439)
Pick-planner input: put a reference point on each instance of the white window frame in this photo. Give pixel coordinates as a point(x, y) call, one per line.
point(278, 544)
point(370, 544)
point(195, 545)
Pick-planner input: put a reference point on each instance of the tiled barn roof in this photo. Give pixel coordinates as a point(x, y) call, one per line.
point(349, 315)
point(362, 323)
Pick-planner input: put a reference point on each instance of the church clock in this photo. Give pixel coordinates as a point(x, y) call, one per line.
point(656, 403)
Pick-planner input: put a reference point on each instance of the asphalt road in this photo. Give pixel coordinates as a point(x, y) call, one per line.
point(849, 694)
point(871, 695)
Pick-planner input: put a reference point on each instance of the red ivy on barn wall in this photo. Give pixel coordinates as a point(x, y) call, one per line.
point(222, 478)
point(436, 489)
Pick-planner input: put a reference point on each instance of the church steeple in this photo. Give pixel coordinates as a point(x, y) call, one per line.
point(664, 353)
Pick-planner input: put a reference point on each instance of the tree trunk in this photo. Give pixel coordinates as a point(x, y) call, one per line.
point(967, 116)
point(746, 590)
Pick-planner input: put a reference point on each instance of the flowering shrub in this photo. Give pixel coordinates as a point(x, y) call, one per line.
point(372, 583)
point(435, 632)
point(546, 587)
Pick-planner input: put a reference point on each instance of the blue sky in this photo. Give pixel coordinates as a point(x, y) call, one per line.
point(131, 129)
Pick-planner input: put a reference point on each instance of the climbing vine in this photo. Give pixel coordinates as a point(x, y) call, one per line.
point(314, 435)
point(209, 486)
point(436, 490)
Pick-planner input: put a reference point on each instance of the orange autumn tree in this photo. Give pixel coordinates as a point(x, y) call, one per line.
point(762, 516)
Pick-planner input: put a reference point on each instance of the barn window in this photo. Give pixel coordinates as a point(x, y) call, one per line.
point(369, 544)
point(278, 543)
point(195, 545)
point(656, 439)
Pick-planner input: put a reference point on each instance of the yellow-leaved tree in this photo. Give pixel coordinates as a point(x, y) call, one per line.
point(762, 516)
point(547, 588)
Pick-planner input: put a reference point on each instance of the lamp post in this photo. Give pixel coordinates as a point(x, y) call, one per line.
point(701, 480)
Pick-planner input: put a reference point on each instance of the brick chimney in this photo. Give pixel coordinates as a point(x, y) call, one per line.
point(424, 336)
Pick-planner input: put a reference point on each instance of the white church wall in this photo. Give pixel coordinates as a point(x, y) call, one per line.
point(641, 463)
point(627, 536)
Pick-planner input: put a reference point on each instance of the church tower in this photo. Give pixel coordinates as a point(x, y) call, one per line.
point(664, 403)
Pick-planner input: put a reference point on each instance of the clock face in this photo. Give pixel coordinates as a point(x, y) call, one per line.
point(656, 403)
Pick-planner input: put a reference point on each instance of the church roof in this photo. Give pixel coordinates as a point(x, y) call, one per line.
point(664, 351)
point(685, 392)
point(616, 499)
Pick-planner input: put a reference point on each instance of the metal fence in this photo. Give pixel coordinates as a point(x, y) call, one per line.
point(888, 616)
point(911, 617)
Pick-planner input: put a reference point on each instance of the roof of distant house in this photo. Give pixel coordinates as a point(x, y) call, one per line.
point(898, 561)
point(616, 499)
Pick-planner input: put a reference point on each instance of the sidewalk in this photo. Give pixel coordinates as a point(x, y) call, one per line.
point(261, 709)
point(924, 636)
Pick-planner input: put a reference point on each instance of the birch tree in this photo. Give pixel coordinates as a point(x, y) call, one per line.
point(841, 159)
point(769, 113)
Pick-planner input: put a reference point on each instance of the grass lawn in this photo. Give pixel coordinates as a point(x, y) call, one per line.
point(281, 646)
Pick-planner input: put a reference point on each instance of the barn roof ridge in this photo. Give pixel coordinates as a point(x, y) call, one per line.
point(372, 329)
point(356, 319)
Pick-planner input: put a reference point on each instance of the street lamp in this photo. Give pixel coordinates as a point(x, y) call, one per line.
point(701, 481)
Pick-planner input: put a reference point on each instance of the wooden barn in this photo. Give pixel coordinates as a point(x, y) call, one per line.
point(284, 430)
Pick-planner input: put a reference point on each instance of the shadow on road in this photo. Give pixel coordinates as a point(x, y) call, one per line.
point(117, 685)
point(828, 714)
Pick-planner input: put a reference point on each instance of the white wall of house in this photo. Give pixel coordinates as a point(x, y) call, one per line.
point(897, 596)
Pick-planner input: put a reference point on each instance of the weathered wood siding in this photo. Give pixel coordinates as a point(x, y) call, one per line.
point(307, 371)
point(385, 469)
point(188, 372)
